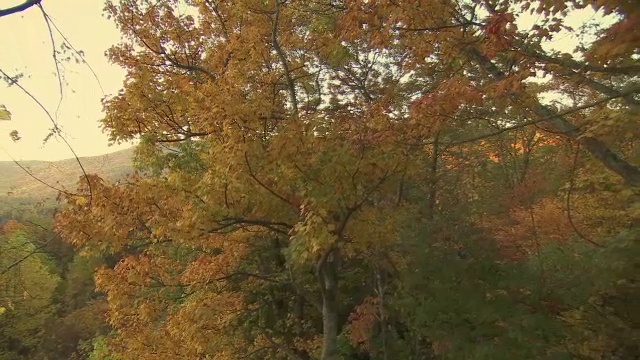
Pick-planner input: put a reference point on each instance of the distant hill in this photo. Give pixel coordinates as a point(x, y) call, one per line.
point(15, 182)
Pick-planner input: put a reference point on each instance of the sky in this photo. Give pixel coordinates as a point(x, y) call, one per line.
point(25, 46)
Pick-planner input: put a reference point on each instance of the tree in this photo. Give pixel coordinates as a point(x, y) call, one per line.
point(286, 147)
point(27, 286)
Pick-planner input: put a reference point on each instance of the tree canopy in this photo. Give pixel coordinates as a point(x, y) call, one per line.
point(367, 179)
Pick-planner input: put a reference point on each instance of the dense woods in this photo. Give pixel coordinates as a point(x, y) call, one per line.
point(349, 180)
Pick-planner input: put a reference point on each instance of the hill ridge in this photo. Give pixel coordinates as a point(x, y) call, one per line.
point(15, 182)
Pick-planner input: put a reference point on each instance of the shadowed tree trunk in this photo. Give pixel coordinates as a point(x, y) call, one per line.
point(327, 272)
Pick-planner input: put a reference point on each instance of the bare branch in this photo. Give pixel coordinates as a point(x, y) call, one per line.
point(19, 8)
point(55, 58)
point(56, 129)
point(42, 181)
point(78, 52)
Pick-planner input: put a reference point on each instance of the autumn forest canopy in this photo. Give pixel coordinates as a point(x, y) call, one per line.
point(321, 179)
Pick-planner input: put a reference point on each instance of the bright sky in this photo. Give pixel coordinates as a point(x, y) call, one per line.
point(25, 47)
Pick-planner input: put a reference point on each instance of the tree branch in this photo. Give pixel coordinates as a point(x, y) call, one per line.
point(271, 191)
point(19, 8)
point(579, 66)
point(283, 60)
point(436, 28)
point(56, 129)
point(270, 225)
point(539, 120)
point(630, 173)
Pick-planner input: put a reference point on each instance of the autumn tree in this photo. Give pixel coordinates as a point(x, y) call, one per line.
point(288, 148)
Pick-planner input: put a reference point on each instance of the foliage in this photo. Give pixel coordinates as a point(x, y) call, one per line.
point(50, 307)
point(27, 286)
point(362, 179)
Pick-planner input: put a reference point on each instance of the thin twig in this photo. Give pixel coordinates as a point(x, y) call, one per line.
point(40, 180)
point(55, 59)
point(271, 191)
point(78, 53)
point(56, 128)
point(545, 118)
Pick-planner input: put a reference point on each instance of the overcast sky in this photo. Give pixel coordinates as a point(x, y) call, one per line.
point(25, 47)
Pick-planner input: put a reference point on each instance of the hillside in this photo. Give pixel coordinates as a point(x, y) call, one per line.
point(64, 174)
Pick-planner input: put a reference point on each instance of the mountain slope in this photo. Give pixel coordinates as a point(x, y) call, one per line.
point(63, 174)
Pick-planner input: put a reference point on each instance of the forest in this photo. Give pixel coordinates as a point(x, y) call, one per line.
point(362, 179)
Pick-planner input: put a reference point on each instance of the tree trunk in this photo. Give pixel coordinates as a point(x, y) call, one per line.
point(381, 280)
point(327, 272)
point(433, 181)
